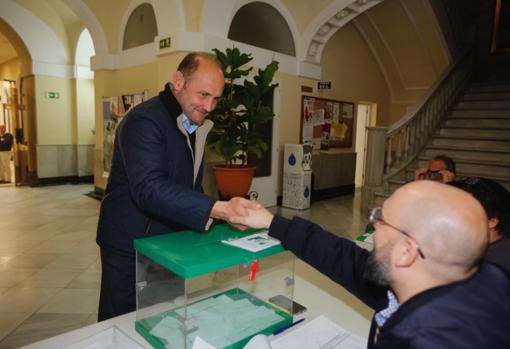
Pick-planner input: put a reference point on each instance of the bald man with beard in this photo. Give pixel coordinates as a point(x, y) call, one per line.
point(424, 278)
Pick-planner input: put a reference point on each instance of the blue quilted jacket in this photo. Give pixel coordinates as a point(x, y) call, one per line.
point(155, 180)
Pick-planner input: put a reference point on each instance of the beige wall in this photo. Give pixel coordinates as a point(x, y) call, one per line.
point(109, 14)
point(137, 79)
point(355, 75)
point(19, 46)
point(305, 11)
point(429, 30)
point(396, 112)
point(166, 67)
point(55, 117)
point(30, 125)
point(58, 18)
point(193, 11)
point(405, 39)
point(85, 111)
point(290, 107)
point(10, 70)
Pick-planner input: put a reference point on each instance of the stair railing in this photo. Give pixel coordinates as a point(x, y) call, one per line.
point(391, 149)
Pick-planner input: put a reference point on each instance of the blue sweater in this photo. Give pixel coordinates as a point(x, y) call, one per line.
point(473, 313)
point(151, 188)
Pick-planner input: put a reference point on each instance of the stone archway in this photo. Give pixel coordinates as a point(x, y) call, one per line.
point(23, 111)
point(327, 23)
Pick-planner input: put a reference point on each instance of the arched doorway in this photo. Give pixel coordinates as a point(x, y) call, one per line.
point(85, 120)
point(16, 111)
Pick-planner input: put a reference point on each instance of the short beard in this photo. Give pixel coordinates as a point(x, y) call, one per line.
point(377, 267)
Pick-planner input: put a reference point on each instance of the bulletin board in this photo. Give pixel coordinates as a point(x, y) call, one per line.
point(326, 123)
point(114, 109)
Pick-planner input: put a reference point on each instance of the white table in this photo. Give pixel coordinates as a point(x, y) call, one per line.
point(315, 291)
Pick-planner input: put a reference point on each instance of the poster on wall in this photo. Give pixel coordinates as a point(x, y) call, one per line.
point(326, 123)
point(114, 109)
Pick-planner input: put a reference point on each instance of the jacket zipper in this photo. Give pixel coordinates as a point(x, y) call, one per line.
point(148, 227)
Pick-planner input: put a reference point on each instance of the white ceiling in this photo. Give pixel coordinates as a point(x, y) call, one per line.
point(7, 52)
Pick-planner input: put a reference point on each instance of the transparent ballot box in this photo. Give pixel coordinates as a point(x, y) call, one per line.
point(194, 286)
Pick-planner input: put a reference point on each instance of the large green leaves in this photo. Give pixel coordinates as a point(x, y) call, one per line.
point(232, 61)
point(240, 109)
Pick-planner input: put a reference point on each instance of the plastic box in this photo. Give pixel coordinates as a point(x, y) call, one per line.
point(110, 338)
point(297, 158)
point(193, 285)
point(297, 190)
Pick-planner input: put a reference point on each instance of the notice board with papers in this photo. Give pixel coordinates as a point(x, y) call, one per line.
point(326, 123)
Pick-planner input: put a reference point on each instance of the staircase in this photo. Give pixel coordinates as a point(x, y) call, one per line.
point(475, 134)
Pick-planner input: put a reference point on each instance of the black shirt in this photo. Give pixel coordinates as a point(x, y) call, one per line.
point(6, 142)
point(498, 253)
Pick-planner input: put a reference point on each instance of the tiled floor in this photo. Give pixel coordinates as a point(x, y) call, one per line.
point(49, 261)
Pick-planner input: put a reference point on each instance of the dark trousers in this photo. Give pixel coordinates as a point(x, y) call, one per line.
point(118, 279)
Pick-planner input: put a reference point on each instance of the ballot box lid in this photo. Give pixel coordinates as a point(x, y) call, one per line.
point(190, 254)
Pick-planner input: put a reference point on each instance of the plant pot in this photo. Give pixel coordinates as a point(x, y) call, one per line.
point(233, 181)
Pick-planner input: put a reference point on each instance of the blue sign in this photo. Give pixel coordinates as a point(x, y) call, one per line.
point(324, 85)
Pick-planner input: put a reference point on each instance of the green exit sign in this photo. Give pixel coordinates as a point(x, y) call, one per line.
point(52, 95)
point(165, 43)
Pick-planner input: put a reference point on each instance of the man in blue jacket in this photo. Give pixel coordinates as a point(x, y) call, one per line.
point(155, 183)
point(423, 278)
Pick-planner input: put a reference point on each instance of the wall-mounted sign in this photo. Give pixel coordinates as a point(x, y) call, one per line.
point(165, 43)
point(52, 95)
point(324, 85)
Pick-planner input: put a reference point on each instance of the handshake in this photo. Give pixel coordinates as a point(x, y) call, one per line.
point(242, 213)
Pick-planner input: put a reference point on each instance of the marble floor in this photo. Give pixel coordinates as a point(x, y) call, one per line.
point(49, 262)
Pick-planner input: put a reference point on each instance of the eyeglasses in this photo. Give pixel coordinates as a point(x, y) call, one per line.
point(376, 216)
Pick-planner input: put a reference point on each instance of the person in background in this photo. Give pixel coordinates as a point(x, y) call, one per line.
point(6, 141)
point(155, 183)
point(495, 199)
point(441, 168)
point(424, 278)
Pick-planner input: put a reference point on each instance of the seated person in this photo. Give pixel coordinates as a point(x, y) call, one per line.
point(423, 278)
point(495, 199)
point(441, 168)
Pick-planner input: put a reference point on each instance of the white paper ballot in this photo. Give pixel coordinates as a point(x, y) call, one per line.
point(254, 243)
point(320, 333)
point(260, 341)
point(199, 343)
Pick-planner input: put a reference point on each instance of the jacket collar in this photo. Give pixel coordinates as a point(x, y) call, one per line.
point(170, 102)
point(174, 109)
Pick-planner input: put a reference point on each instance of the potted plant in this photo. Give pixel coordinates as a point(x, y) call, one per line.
point(237, 119)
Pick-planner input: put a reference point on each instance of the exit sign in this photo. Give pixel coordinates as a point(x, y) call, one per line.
point(324, 85)
point(165, 43)
point(52, 95)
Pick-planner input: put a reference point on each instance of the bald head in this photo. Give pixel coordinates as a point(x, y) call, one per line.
point(449, 225)
point(190, 64)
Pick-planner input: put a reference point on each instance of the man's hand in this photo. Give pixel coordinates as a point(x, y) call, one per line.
point(258, 218)
point(448, 176)
point(235, 207)
point(419, 173)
